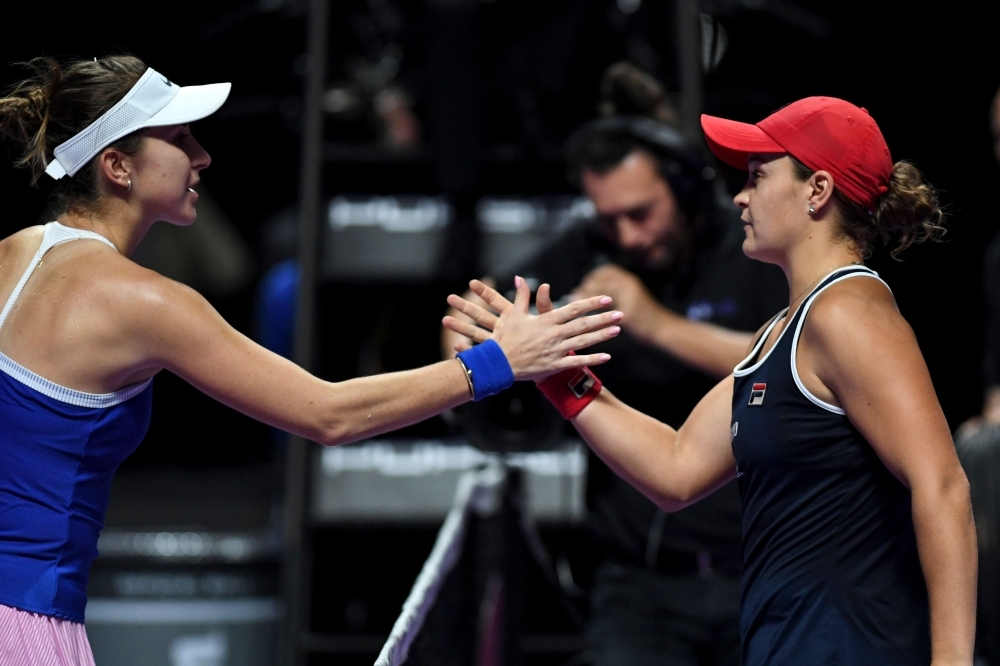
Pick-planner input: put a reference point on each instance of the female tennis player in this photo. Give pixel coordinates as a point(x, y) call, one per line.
point(83, 330)
point(858, 540)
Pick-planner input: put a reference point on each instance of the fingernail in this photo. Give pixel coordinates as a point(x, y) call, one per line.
point(605, 357)
point(605, 300)
point(517, 280)
point(617, 315)
point(615, 330)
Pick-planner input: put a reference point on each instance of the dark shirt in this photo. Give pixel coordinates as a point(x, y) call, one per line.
point(717, 284)
point(831, 573)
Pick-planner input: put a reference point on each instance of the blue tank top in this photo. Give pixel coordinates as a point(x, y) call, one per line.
point(58, 450)
point(830, 567)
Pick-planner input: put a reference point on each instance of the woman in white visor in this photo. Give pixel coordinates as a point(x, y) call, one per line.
point(83, 330)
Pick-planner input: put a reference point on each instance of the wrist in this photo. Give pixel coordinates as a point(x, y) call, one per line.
point(571, 390)
point(487, 369)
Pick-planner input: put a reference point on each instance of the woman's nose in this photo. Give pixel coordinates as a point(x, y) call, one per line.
point(200, 159)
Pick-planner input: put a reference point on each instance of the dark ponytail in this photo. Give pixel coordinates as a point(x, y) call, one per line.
point(56, 102)
point(909, 213)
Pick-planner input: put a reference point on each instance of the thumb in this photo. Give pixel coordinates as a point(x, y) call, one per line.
point(543, 299)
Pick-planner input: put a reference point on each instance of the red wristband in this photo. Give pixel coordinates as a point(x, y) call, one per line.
point(571, 390)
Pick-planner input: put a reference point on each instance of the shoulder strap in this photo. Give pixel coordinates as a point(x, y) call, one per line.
point(54, 234)
point(859, 271)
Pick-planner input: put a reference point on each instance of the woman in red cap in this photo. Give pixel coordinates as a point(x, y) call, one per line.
point(858, 545)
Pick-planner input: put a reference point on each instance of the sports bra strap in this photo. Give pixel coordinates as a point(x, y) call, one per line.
point(54, 234)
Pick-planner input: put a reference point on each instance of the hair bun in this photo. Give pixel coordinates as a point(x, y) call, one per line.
point(24, 113)
point(909, 212)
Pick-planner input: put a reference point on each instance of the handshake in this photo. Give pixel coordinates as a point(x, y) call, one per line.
point(514, 345)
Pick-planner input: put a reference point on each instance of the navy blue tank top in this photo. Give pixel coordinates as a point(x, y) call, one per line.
point(830, 567)
point(58, 450)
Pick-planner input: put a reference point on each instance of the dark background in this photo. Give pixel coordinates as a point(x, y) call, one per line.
point(926, 74)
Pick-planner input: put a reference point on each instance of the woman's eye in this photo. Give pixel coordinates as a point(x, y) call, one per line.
point(182, 137)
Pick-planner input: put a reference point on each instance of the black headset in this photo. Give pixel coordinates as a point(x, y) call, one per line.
point(682, 162)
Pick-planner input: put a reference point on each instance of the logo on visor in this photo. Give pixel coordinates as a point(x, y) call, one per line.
point(166, 80)
point(757, 394)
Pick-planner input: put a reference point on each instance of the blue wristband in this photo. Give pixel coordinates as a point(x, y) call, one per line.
point(491, 373)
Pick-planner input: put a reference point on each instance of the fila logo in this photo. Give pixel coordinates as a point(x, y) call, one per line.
point(582, 382)
point(757, 394)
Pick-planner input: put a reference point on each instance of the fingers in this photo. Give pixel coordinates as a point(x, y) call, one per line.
point(543, 299)
point(491, 296)
point(581, 307)
point(523, 298)
point(591, 323)
point(464, 328)
point(582, 360)
point(590, 339)
point(480, 315)
point(462, 346)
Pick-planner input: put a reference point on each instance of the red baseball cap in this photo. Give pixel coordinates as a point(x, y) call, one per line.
point(821, 132)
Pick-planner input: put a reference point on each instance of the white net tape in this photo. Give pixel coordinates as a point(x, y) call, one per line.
point(478, 491)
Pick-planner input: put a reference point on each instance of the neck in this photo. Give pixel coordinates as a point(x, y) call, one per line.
point(124, 226)
point(806, 266)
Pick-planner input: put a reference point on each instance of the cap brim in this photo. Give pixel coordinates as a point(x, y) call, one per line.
point(732, 142)
point(190, 104)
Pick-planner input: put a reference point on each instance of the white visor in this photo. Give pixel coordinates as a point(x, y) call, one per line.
point(152, 102)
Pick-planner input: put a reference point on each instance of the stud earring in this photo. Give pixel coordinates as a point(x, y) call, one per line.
point(129, 181)
point(812, 209)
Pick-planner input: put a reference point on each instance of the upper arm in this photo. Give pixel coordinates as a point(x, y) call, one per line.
point(181, 332)
point(705, 441)
point(862, 349)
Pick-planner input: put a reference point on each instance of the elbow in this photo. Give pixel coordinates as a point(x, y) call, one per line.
point(333, 432)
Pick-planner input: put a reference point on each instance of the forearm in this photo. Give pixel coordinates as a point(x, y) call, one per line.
point(712, 349)
point(673, 469)
point(368, 406)
point(946, 540)
point(635, 446)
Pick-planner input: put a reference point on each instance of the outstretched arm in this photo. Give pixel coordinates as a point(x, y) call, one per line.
point(673, 468)
point(858, 348)
point(181, 332)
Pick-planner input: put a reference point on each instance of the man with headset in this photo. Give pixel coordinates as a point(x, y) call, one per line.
point(666, 246)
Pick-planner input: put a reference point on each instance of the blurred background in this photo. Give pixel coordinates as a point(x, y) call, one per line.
point(441, 158)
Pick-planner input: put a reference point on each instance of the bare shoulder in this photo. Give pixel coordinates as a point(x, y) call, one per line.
point(135, 294)
point(24, 242)
point(856, 316)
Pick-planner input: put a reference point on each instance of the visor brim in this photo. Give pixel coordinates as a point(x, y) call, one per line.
point(190, 104)
point(733, 142)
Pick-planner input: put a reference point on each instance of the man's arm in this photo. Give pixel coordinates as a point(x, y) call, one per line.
point(708, 347)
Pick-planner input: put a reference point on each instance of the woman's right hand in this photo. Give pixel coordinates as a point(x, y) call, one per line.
point(536, 346)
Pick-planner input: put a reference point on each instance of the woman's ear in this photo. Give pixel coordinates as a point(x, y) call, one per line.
point(821, 190)
point(116, 168)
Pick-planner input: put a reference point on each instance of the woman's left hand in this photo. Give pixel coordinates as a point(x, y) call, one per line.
point(536, 346)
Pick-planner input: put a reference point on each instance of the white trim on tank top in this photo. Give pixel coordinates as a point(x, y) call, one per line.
point(53, 235)
point(798, 332)
point(739, 370)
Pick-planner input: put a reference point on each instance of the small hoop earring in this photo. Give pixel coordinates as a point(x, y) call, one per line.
point(812, 209)
point(129, 181)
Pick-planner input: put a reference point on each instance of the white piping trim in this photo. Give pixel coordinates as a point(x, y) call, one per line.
point(798, 332)
point(57, 234)
point(55, 391)
point(740, 371)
